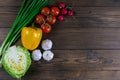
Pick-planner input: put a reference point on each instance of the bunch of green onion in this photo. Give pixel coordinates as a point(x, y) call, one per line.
point(28, 10)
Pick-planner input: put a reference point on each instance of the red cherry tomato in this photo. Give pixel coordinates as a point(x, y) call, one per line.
point(46, 27)
point(55, 11)
point(45, 11)
point(40, 19)
point(51, 19)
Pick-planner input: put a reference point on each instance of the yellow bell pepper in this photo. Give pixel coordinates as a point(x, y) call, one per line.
point(31, 37)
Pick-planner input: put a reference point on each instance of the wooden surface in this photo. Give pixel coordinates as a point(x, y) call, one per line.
point(86, 46)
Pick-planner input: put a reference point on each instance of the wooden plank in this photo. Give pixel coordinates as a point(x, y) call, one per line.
point(96, 11)
point(80, 38)
point(101, 65)
point(7, 21)
point(8, 3)
point(5, 76)
point(104, 60)
point(75, 65)
point(63, 66)
point(53, 75)
point(90, 60)
point(85, 17)
point(97, 3)
point(75, 75)
point(85, 38)
point(103, 75)
point(96, 17)
point(63, 60)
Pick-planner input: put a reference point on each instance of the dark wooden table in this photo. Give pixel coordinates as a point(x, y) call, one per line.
point(86, 46)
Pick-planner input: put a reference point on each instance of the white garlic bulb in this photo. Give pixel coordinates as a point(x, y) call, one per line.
point(36, 55)
point(47, 44)
point(48, 55)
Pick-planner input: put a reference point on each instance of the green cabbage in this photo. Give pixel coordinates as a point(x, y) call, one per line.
point(16, 61)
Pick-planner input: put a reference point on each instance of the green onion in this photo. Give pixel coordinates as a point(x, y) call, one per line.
point(28, 10)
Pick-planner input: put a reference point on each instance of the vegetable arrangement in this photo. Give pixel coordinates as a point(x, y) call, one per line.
point(48, 16)
point(29, 9)
point(16, 60)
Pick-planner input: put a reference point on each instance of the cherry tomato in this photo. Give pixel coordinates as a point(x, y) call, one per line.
point(46, 27)
point(51, 19)
point(40, 19)
point(55, 11)
point(45, 11)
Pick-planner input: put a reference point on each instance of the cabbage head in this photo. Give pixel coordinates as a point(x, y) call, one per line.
point(16, 61)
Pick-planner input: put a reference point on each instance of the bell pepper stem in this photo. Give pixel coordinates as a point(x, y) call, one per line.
point(33, 25)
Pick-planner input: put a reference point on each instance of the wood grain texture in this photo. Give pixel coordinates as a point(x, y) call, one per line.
point(85, 17)
point(83, 65)
point(91, 3)
point(103, 75)
point(86, 46)
point(80, 38)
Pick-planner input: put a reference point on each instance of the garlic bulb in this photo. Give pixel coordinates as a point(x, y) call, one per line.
point(48, 55)
point(47, 44)
point(36, 55)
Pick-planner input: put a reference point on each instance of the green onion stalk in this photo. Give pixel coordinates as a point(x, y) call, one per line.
point(28, 10)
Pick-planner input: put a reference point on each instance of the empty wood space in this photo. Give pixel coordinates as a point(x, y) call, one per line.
point(86, 46)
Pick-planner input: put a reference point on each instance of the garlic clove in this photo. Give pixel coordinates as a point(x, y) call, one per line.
point(48, 55)
point(47, 44)
point(36, 55)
